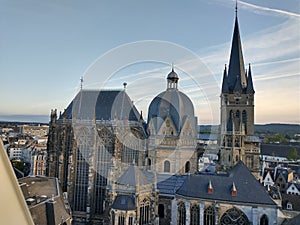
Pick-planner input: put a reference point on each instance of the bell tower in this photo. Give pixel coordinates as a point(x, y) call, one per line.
point(237, 140)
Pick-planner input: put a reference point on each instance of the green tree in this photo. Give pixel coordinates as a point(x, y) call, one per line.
point(293, 154)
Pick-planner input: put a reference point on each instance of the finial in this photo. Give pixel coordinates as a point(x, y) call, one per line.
point(81, 82)
point(172, 66)
point(236, 7)
point(124, 84)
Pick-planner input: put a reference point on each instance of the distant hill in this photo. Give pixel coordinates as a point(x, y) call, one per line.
point(277, 128)
point(267, 129)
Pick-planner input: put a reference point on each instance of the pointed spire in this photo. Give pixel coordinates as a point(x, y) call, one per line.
point(225, 88)
point(233, 190)
point(141, 115)
point(238, 85)
point(250, 88)
point(236, 62)
point(81, 82)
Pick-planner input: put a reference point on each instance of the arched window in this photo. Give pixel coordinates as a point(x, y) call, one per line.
point(249, 162)
point(195, 215)
point(244, 119)
point(167, 166)
point(121, 220)
point(149, 164)
point(229, 122)
point(113, 219)
point(130, 220)
point(237, 114)
point(209, 216)
point(181, 213)
point(234, 216)
point(264, 220)
point(161, 210)
point(187, 167)
point(144, 212)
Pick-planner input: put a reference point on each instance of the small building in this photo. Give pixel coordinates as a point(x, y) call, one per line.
point(45, 201)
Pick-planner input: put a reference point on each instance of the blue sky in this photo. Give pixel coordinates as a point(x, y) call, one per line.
point(46, 46)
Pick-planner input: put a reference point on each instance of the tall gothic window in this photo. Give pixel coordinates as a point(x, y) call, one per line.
point(181, 213)
point(144, 212)
point(249, 162)
point(149, 164)
point(229, 122)
point(121, 220)
point(167, 166)
point(234, 216)
point(264, 220)
point(161, 210)
point(244, 119)
point(187, 167)
point(209, 216)
point(113, 218)
point(130, 220)
point(195, 215)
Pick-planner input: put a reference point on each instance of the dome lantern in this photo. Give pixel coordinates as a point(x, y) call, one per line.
point(172, 80)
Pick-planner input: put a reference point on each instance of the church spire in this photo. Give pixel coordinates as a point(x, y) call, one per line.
point(250, 88)
point(225, 81)
point(236, 71)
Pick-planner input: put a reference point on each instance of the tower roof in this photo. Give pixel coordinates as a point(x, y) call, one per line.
point(133, 176)
point(236, 72)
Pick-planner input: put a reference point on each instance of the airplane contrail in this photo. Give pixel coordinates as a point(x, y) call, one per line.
point(291, 14)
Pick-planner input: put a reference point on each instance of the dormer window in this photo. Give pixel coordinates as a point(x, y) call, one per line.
point(289, 206)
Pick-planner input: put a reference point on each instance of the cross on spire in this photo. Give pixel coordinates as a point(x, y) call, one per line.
point(81, 82)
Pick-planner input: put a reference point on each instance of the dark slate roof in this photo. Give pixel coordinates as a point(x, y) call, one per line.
point(294, 221)
point(105, 104)
point(294, 199)
point(279, 150)
point(168, 184)
point(249, 190)
point(283, 171)
point(124, 202)
point(236, 62)
point(133, 176)
point(171, 103)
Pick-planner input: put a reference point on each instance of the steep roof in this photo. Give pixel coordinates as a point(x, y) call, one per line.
point(124, 202)
point(102, 104)
point(249, 190)
point(236, 62)
point(133, 176)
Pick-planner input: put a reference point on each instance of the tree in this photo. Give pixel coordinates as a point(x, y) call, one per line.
point(293, 155)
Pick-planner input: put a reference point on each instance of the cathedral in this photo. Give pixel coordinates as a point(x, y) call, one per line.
point(118, 169)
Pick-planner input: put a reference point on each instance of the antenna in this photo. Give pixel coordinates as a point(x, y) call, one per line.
point(81, 82)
